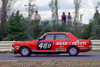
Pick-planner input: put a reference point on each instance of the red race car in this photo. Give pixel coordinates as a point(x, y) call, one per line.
point(52, 43)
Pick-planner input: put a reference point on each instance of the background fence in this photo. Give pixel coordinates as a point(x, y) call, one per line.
point(95, 44)
point(6, 46)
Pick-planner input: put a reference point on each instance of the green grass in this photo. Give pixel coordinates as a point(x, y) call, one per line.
point(6, 53)
point(94, 51)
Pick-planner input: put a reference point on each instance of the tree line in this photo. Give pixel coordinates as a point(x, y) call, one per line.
point(15, 29)
point(92, 30)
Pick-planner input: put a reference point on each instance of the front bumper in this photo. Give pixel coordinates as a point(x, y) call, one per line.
point(14, 52)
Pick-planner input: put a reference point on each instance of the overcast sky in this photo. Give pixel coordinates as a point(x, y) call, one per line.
point(87, 8)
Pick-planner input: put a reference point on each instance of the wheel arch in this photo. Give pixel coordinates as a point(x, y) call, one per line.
point(24, 46)
point(72, 46)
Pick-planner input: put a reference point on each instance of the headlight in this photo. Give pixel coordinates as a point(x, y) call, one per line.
point(17, 47)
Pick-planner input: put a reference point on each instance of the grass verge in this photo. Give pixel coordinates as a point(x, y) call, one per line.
point(93, 51)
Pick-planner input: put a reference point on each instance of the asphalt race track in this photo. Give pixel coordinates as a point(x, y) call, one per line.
point(83, 56)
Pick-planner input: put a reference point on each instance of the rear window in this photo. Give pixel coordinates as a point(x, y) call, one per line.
point(61, 36)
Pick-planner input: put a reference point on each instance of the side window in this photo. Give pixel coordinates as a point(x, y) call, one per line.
point(61, 36)
point(49, 37)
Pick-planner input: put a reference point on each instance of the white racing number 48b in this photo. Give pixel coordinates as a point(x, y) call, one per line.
point(41, 45)
point(44, 45)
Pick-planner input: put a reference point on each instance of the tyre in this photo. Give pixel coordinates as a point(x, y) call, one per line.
point(73, 51)
point(25, 51)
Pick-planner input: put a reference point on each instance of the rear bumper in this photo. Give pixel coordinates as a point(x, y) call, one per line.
point(90, 48)
point(85, 49)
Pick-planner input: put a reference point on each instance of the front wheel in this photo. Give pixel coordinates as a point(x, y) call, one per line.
point(73, 51)
point(24, 51)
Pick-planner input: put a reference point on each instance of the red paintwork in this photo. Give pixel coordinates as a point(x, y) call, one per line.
point(83, 45)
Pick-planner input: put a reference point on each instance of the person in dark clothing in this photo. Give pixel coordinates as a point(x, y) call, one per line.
point(97, 17)
point(63, 18)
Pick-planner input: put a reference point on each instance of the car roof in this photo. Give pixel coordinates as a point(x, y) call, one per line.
point(57, 33)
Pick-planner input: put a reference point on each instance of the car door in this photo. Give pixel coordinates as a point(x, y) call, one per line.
point(46, 44)
point(61, 42)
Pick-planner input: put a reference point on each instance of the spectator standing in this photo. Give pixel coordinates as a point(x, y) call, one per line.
point(63, 18)
point(37, 17)
point(69, 18)
point(97, 17)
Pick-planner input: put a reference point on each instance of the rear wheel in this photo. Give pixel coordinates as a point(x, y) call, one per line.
point(73, 51)
point(25, 51)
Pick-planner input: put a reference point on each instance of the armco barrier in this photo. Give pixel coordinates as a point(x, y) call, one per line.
point(6, 46)
point(95, 44)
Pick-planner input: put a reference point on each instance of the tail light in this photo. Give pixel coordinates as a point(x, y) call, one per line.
point(90, 42)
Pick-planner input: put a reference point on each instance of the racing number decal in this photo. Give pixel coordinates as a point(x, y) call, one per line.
point(44, 45)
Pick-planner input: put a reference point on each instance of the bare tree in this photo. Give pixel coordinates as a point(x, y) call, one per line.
point(77, 6)
point(5, 7)
point(54, 7)
point(10, 5)
point(4, 11)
